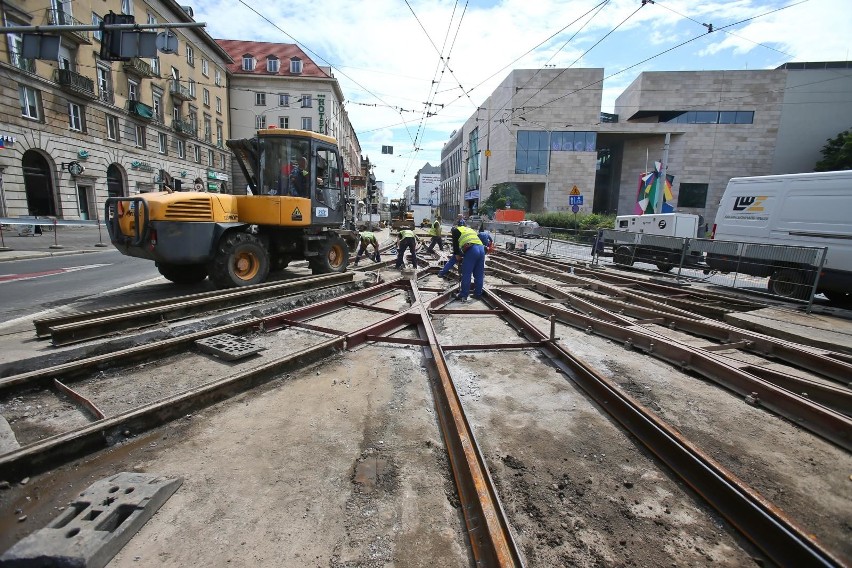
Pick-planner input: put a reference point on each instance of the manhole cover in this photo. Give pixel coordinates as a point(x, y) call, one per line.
point(228, 347)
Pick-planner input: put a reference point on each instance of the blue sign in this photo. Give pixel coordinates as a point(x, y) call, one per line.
point(575, 208)
point(575, 200)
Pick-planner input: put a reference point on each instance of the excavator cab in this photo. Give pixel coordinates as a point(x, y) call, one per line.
point(295, 164)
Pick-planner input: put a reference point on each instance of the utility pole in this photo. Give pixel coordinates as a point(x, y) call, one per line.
point(661, 180)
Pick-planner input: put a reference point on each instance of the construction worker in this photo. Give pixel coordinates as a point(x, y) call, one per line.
point(469, 251)
point(435, 231)
point(368, 238)
point(405, 239)
point(486, 239)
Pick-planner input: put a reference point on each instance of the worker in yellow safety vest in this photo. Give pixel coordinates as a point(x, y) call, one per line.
point(368, 238)
point(470, 253)
point(405, 240)
point(435, 231)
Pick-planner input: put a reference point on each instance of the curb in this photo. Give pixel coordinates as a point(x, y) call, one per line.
point(30, 255)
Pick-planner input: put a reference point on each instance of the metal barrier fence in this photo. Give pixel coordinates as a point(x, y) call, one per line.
point(788, 272)
point(33, 226)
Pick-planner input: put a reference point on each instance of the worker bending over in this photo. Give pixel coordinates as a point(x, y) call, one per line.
point(469, 251)
point(368, 238)
point(405, 240)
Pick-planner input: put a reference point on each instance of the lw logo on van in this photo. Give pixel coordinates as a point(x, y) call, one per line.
point(749, 203)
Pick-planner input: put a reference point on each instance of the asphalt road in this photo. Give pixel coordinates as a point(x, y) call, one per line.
point(31, 286)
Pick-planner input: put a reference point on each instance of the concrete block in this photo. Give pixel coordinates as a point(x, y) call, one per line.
point(96, 525)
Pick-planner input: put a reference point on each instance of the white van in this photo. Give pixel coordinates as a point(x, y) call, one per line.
point(811, 210)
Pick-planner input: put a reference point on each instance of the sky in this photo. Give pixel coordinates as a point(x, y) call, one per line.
point(413, 71)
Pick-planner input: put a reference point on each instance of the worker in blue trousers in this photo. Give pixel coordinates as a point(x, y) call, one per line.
point(468, 250)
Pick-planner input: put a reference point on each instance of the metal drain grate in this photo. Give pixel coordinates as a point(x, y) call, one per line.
point(97, 524)
point(228, 347)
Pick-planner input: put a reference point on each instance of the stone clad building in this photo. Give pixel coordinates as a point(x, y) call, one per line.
point(543, 130)
point(78, 129)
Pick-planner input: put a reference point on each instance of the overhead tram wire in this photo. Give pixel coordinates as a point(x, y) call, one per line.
point(663, 53)
point(309, 50)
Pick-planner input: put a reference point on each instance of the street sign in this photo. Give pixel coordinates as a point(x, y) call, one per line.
point(345, 179)
point(575, 191)
point(575, 200)
point(575, 208)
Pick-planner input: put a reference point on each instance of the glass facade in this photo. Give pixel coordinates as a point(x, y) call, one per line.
point(534, 146)
point(709, 117)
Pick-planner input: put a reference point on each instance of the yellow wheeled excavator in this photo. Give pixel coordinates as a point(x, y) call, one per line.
point(294, 211)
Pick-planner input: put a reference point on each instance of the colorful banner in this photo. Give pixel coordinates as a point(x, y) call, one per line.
point(646, 197)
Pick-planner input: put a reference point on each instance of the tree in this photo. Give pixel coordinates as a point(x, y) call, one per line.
point(501, 194)
point(837, 154)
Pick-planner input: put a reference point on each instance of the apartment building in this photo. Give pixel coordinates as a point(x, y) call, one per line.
point(544, 131)
point(78, 129)
point(277, 84)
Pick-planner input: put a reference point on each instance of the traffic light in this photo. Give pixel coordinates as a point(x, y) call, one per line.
point(111, 39)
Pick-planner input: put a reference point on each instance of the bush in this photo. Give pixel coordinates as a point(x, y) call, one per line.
point(572, 222)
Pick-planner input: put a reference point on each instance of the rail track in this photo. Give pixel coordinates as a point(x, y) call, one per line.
point(403, 311)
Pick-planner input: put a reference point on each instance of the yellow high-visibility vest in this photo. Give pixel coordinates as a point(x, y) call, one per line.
point(468, 237)
point(405, 233)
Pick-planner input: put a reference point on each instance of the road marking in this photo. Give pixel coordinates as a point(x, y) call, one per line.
point(42, 274)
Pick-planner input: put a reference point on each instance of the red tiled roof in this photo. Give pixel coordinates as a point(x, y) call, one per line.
point(261, 51)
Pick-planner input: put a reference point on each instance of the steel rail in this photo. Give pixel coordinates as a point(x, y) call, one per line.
point(49, 452)
point(823, 421)
point(43, 325)
point(756, 518)
point(92, 328)
point(811, 359)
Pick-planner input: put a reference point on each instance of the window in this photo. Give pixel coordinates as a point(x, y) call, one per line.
point(211, 158)
point(218, 78)
point(205, 97)
point(218, 133)
point(283, 122)
point(112, 127)
point(193, 120)
point(708, 117)
point(16, 48)
point(139, 135)
point(306, 123)
point(283, 99)
point(127, 7)
point(181, 148)
point(306, 101)
point(155, 66)
point(190, 55)
point(157, 105)
point(260, 122)
point(219, 105)
point(272, 64)
point(104, 80)
point(222, 161)
point(196, 153)
point(132, 90)
point(176, 112)
point(191, 84)
point(248, 63)
point(205, 67)
point(532, 152)
point(208, 128)
point(163, 141)
point(296, 66)
point(75, 117)
point(692, 195)
point(573, 141)
point(97, 21)
point(260, 99)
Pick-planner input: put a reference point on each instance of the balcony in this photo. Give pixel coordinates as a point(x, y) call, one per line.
point(75, 83)
point(27, 65)
point(140, 110)
point(60, 18)
point(184, 127)
point(179, 91)
point(138, 67)
point(106, 97)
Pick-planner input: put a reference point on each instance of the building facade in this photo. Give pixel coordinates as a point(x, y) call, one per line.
point(277, 84)
point(543, 130)
point(451, 163)
point(427, 184)
point(77, 129)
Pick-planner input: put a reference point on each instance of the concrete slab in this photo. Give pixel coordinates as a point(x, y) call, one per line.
point(818, 330)
point(93, 528)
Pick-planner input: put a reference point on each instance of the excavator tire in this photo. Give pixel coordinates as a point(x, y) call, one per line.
point(241, 260)
point(333, 257)
point(183, 273)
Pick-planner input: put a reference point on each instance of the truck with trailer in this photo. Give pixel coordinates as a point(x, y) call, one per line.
point(655, 238)
point(800, 210)
point(296, 212)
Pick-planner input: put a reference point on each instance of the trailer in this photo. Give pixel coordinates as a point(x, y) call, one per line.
point(656, 238)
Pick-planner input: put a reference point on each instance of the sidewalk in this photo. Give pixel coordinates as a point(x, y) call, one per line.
point(19, 245)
